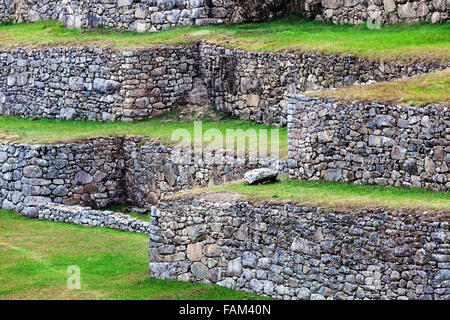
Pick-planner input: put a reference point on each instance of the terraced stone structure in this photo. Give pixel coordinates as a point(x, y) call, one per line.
point(107, 85)
point(279, 250)
point(256, 85)
point(369, 143)
point(302, 252)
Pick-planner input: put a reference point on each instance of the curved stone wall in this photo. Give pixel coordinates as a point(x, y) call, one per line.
point(301, 252)
point(371, 143)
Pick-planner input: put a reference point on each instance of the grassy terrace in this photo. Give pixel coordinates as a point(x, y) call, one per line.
point(50, 131)
point(35, 256)
point(432, 88)
point(333, 194)
point(398, 42)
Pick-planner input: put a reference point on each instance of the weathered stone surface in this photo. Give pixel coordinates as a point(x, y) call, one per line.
point(76, 84)
point(196, 231)
point(32, 172)
point(194, 252)
point(234, 268)
point(304, 246)
point(261, 175)
point(212, 250)
point(199, 270)
point(105, 86)
point(83, 177)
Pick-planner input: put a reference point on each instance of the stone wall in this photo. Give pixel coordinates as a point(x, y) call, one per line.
point(155, 15)
point(154, 171)
point(100, 172)
point(366, 142)
point(94, 83)
point(362, 11)
point(299, 252)
point(138, 16)
point(92, 218)
point(108, 85)
point(256, 85)
point(88, 173)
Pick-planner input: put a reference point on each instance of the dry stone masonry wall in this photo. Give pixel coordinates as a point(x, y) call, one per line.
point(371, 143)
point(107, 85)
point(92, 218)
point(104, 171)
point(291, 252)
point(139, 16)
point(94, 83)
point(256, 85)
point(88, 173)
point(156, 15)
point(362, 11)
point(154, 171)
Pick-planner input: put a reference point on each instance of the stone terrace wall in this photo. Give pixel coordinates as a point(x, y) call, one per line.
point(290, 252)
point(92, 218)
point(108, 85)
point(153, 171)
point(255, 85)
point(139, 16)
point(369, 143)
point(104, 171)
point(385, 11)
point(155, 15)
point(89, 173)
point(94, 83)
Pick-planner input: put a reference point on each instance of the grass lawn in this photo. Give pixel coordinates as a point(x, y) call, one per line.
point(329, 194)
point(432, 88)
point(405, 42)
point(35, 255)
point(24, 130)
